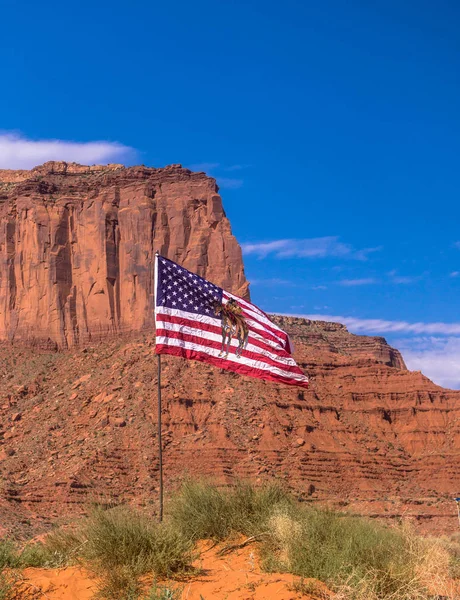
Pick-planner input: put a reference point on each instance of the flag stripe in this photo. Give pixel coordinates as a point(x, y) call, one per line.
point(253, 337)
point(255, 331)
point(239, 364)
point(263, 317)
point(222, 364)
point(215, 341)
point(257, 327)
point(261, 320)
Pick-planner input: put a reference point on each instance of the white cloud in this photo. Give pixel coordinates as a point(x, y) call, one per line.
point(353, 282)
point(457, 245)
point(437, 358)
point(206, 167)
point(357, 325)
point(306, 248)
point(273, 281)
point(405, 279)
point(213, 166)
point(236, 167)
point(423, 349)
point(455, 273)
point(18, 152)
point(228, 183)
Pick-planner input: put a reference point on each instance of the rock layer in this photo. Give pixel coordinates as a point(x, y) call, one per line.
point(77, 247)
point(368, 436)
point(335, 337)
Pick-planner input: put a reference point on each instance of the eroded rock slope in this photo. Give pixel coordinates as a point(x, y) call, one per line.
point(368, 435)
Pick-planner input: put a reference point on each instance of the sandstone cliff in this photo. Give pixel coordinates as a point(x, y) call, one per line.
point(77, 246)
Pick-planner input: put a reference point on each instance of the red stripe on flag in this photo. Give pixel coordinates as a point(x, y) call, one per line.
point(206, 342)
point(281, 335)
point(262, 349)
point(189, 322)
point(227, 365)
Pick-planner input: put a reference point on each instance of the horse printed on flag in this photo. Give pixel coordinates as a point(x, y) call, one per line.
point(196, 319)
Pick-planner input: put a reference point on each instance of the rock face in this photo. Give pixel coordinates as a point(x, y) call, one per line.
point(334, 337)
point(77, 246)
point(366, 435)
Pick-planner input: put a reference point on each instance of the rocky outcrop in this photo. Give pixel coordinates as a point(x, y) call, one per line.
point(335, 337)
point(368, 436)
point(77, 246)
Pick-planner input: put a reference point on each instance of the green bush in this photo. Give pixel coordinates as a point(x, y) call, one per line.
point(202, 511)
point(6, 585)
point(356, 557)
point(8, 554)
point(164, 592)
point(8, 561)
point(122, 537)
point(337, 548)
point(121, 545)
point(119, 583)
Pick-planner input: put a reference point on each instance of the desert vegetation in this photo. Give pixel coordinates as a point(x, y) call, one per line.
point(357, 558)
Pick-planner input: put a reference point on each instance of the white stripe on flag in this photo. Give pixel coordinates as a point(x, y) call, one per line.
point(174, 312)
point(256, 364)
point(187, 330)
point(261, 319)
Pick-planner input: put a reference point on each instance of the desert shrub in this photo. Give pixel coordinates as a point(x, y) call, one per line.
point(6, 585)
point(119, 583)
point(251, 508)
point(8, 561)
point(59, 548)
point(122, 545)
point(63, 546)
point(123, 537)
point(202, 511)
point(8, 554)
point(452, 545)
point(358, 558)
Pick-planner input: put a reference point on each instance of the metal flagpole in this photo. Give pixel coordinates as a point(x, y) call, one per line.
point(160, 443)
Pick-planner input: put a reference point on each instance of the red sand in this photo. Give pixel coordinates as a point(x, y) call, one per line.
point(236, 576)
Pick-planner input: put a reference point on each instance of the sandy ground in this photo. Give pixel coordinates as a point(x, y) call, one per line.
point(236, 576)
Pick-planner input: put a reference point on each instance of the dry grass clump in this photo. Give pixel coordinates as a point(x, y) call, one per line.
point(57, 550)
point(122, 545)
point(6, 585)
point(360, 559)
point(119, 545)
point(164, 592)
point(7, 576)
point(202, 511)
point(357, 558)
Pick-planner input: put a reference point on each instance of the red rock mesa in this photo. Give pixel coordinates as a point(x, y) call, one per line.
point(77, 246)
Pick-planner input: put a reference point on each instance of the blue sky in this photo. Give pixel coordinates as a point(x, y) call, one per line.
point(333, 129)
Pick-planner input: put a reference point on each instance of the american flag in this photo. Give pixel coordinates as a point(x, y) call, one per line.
point(198, 320)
